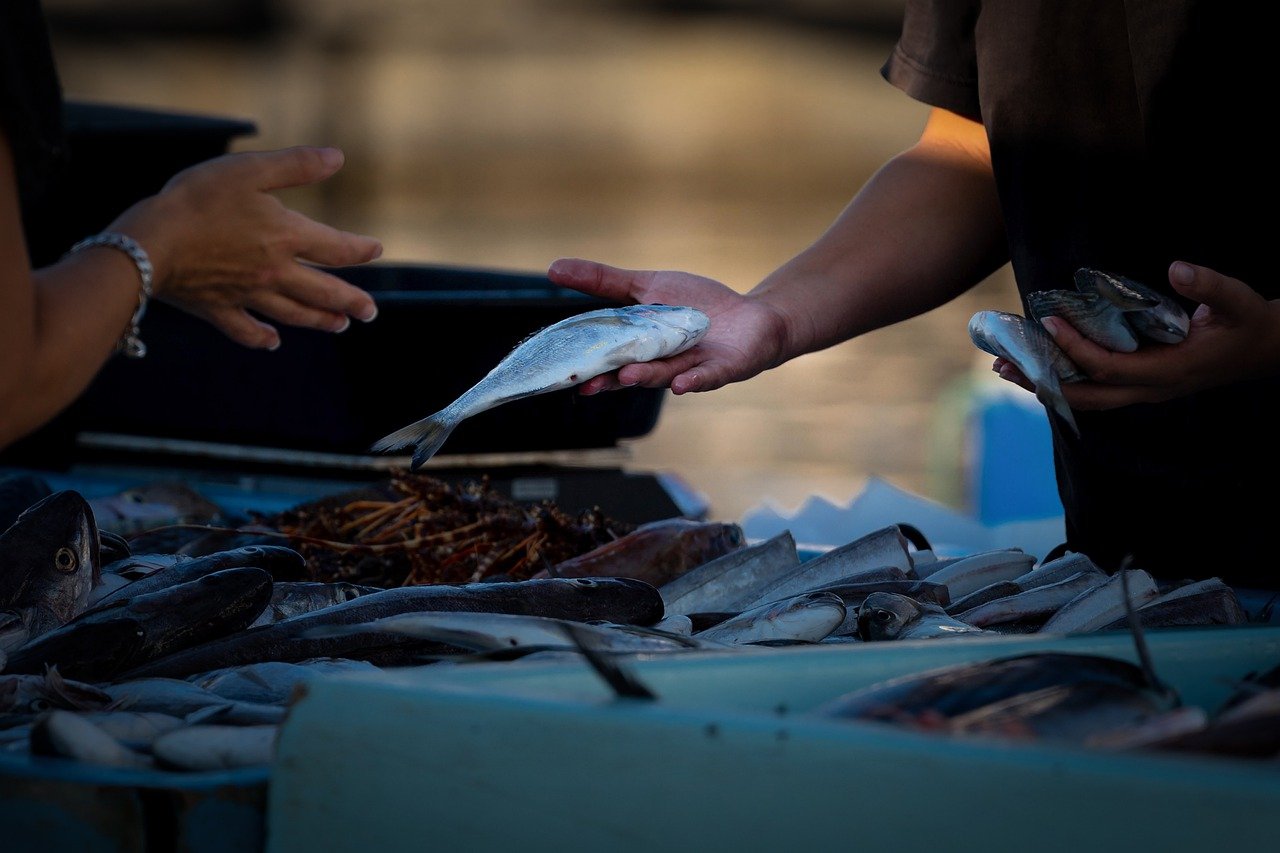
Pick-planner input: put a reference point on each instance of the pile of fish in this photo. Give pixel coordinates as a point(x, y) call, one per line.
point(1115, 312)
point(188, 661)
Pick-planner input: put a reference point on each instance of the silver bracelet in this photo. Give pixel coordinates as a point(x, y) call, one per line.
point(130, 344)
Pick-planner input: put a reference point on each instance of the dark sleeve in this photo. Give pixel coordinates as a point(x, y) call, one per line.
point(30, 95)
point(934, 60)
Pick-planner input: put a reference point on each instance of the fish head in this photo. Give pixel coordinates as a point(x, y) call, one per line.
point(689, 324)
point(1166, 323)
point(51, 555)
point(153, 505)
point(885, 615)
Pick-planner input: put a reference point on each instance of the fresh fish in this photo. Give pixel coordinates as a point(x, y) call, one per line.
point(562, 355)
point(492, 632)
point(1029, 348)
point(990, 592)
point(272, 682)
point(156, 504)
point(725, 582)
point(216, 747)
point(1152, 315)
point(1101, 605)
point(185, 700)
point(136, 730)
point(622, 600)
point(293, 598)
point(929, 699)
point(1206, 602)
point(808, 618)
point(1091, 314)
point(889, 616)
point(66, 734)
point(274, 559)
point(100, 644)
point(49, 563)
point(854, 594)
point(1039, 602)
point(675, 624)
point(656, 552)
point(885, 547)
point(1057, 569)
point(24, 696)
point(972, 573)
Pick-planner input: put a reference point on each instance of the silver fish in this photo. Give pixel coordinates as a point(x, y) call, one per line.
point(134, 729)
point(182, 699)
point(216, 747)
point(66, 734)
point(1058, 569)
point(990, 592)
point(562, 355)
point(1091, 314)
point(293, 598)
point(1029, 348)
point(1206, 602)
point(272, 682)
point(806, 618)
point(1151, 314)
point(1037, 602)
point(1101, 605)
point(889, 616)
point(729, 581)
point(972, 573)
point(869, 554)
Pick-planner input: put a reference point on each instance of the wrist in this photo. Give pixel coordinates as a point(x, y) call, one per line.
point(147, 223)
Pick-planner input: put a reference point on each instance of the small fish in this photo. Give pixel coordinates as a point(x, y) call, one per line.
point(66, 734)
point(559, 356)
point(1206, 602)
point(49, 563)
point(1039, 602)
point(889, 616)
point(656, 552)
point(725, 582)
point(272, 682)
point(293, 598)
point(971, 573)
point(1029, 348)
point(212, 747)
point(990, 592)
point(1151, 314)
point(1100, 605)
point(807, 618)
point(136, 730)
point(1057, 569)
point(150, 505)
point(1091, 314)
point(182, 699)
point(869, 554)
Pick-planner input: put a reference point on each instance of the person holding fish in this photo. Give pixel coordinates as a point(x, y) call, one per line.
point(214, 242)
point(1062, 137)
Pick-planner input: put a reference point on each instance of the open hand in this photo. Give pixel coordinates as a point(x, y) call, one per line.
point(223, 246)
point(745, 338)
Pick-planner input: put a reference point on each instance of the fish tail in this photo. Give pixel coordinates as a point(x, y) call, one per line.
point(426, 436)
point(1052, 399)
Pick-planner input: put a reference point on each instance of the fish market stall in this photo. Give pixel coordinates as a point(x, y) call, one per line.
point(732, 754)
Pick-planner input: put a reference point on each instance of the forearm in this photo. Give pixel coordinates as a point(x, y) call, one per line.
point(923, 230)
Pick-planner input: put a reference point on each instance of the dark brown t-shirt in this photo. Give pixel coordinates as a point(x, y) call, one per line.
point(1124, 136)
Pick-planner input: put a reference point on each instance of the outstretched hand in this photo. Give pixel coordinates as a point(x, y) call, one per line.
point(1234, 336)
point(745, 338)
point(223, 245)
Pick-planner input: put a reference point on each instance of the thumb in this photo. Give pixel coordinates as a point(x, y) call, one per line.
point(1221, 294)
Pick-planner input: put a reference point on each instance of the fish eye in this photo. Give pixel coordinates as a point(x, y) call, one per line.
point(584, 582)
point(882, 616)
point(66, 561)
point(136, 497)
point(40, 704)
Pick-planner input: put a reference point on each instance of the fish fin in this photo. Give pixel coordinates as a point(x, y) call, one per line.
point(622, 682)
point(1052, 399)
point(426, 435)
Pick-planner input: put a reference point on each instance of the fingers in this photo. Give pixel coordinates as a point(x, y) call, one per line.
point(1009, 372)
point(326, 293)
point(288, 167)
point(326, 245)
point(293, 313)
point(243, 328)
point(676, 373)
point(1099, 363)
point(1225, 296)
point(598, 279)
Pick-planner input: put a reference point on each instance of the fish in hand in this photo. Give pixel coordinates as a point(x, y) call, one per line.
point(559, 356)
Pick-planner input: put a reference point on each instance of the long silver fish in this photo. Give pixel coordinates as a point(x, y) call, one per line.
point(868, 554)
point(725, 583)
point(889, 616)
point(66, 734)
point(806, 618)
point(1099, 606)
point(562, 355)
point(1034, 603)
point(1151, 314)
point(972, 573)
point(272, 682)
point(1029, 348)
point(216, 747)
point(1058, 569)
point(1206, 602)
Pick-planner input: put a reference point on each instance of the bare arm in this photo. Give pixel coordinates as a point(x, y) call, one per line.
point(222, 246)
point(923, 230)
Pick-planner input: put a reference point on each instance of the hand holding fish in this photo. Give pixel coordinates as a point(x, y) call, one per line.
point(745, 338)
point(1234, 335)
point(222, 245)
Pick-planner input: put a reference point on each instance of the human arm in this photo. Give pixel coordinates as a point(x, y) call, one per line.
point(1234, 337)
point(925, 228)
point(220, 244)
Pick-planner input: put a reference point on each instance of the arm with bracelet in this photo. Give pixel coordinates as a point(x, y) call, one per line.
point(214, 242)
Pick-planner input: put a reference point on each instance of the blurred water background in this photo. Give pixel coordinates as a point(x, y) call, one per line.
point(716, 137)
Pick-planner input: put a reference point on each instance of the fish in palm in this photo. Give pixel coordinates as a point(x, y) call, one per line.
point(559, 356)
